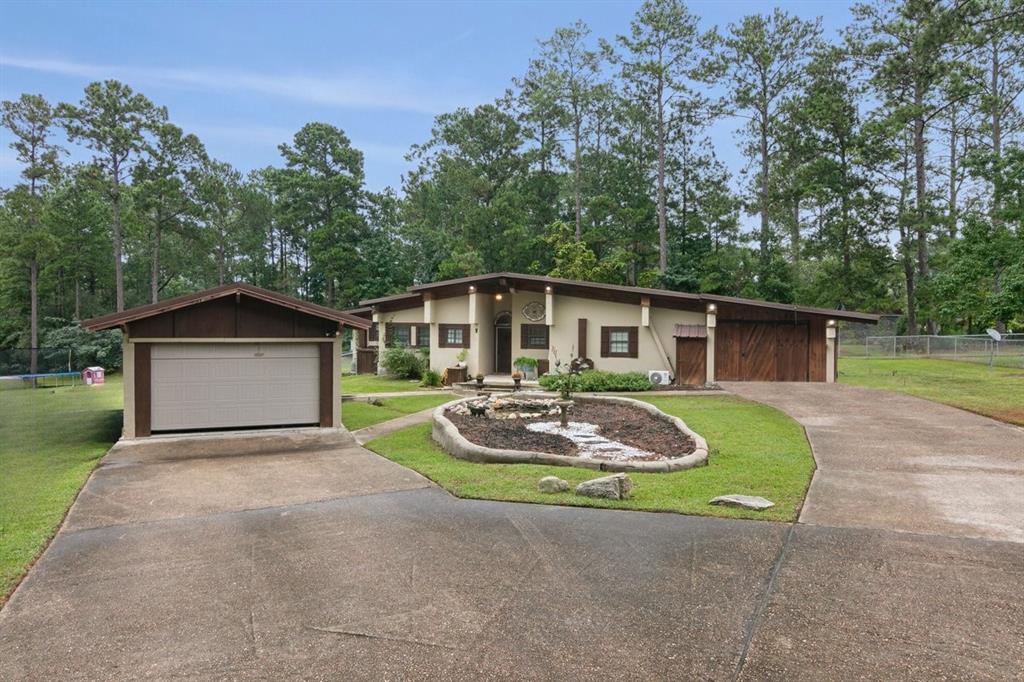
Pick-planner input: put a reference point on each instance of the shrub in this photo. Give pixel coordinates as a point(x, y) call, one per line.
point(431, 379)
point(596, 381)
point(529, 363)
point(87, 348)
point(404, 363)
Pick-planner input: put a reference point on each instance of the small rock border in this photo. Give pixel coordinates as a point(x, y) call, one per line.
point(454, 443)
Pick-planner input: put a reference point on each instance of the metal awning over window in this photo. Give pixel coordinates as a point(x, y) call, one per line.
point(690, 331)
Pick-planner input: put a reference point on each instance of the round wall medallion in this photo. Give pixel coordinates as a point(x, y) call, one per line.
point(534, 311)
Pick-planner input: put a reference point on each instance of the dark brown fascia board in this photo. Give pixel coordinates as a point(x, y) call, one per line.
point(359, 312)
point(387, 299)
point(645, 291)
point(118, 319)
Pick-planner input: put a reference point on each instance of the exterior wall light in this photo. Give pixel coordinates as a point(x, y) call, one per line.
point(472, 288)
point(547, 289)
point(497, 297)
point(830, 323)
point(712, 307)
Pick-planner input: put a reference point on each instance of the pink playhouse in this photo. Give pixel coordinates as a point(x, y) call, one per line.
point(92, 375)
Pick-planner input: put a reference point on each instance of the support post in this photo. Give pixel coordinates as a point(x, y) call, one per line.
point(830, 351)
point(709, 355)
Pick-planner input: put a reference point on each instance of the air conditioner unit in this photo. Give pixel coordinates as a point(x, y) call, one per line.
point(659, 377)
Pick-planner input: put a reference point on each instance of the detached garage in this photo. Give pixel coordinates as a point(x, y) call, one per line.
point(233, 357)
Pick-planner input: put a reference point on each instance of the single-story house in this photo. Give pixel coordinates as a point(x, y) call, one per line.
point(697, 338)
point(235, 356)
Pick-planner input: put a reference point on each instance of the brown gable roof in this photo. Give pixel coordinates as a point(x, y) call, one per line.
point(596, 289)
point(117, 319)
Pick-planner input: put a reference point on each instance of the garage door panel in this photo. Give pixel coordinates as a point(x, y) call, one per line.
point(229, 385)
point(758, 352)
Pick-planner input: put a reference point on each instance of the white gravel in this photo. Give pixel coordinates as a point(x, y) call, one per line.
point(590, 444)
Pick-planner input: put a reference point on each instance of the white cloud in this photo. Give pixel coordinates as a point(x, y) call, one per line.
point(350, 91)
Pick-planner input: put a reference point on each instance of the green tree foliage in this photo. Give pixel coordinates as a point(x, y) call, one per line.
point(885, 172)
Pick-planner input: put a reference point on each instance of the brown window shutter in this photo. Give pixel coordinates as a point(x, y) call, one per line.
point(465, 336)
point(633, 342)
point(581, 341)
point(374, 332)
point(605, 335)
point(523, 336)
point(422, 335)
point(388, 333)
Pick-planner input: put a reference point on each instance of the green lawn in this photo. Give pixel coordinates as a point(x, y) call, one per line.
point(755, 450)
point(371, 383)
point(50, 439)
point(997, 392)
point(358, 414)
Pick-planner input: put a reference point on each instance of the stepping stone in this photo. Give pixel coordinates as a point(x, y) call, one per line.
point(745, 501)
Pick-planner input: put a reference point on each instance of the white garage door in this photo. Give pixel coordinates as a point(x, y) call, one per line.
point(225, 385)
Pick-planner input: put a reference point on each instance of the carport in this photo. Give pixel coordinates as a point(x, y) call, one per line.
point(233, 357)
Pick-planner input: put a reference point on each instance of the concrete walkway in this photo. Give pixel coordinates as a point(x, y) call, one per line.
point(367, 434)
point(892, 461)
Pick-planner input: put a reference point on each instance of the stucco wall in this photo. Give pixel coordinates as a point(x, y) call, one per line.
point(447, 311)
point(563, 335)
point(569, 309)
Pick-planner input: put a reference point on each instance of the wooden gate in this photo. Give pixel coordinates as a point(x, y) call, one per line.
point(691, 361)
point(366, 361)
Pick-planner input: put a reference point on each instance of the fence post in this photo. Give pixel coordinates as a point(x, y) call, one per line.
point(954, 347)
point(928, 346)
point(893, 347)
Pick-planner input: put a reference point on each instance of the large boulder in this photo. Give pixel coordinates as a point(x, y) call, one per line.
point(552, 484)
point(745, 501)
point(614, 487)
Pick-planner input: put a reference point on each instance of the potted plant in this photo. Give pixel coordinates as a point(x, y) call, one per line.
point(527, 367)
point(517, 377)
point(479, 380)
point(461, 357)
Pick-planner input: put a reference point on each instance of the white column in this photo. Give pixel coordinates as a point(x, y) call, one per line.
point(709, 369)
point(549, 306)
point(428, 308)
point(380, 343)
point(645, 311)
point(830, 351)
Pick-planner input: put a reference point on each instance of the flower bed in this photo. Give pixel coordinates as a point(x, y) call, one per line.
point(604, 432)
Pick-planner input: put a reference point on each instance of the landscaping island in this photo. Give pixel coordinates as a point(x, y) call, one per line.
point(607, 433)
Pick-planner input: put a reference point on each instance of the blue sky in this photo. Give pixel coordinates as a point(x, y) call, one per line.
point(245, 76)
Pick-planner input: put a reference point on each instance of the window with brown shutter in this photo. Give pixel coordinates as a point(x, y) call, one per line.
point(453, 336)
point(373, 332)
point(422, 335)
point(399, 334)
point(619, 342)
point(533, 336)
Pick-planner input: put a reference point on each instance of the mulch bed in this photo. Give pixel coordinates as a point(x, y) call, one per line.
point(622, 423)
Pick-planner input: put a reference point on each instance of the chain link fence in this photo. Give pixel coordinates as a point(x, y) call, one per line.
point(17, 361)
point(857, 341)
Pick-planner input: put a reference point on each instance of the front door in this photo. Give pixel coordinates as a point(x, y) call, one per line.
point(503, 344)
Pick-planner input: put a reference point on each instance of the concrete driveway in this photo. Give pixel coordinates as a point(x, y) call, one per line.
point(892, 461)
point(309, 558)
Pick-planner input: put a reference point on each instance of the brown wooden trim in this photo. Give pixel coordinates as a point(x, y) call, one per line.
point(442, 335)
point(326, 384)
point(581, 338)
point(524, 336)
point(143, 389)
point(633, 337)
point(143, 311)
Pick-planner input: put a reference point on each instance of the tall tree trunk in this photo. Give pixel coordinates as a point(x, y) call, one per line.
point(33, 288)
point(794, 236)
point(154, 272)
point(576, 181)
point(765, 236)
point(662, 218)
point(953, 179)
point(905, 249)
point(921, 195)
point(78, 299)
point(115, 208)
point(997, 134)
